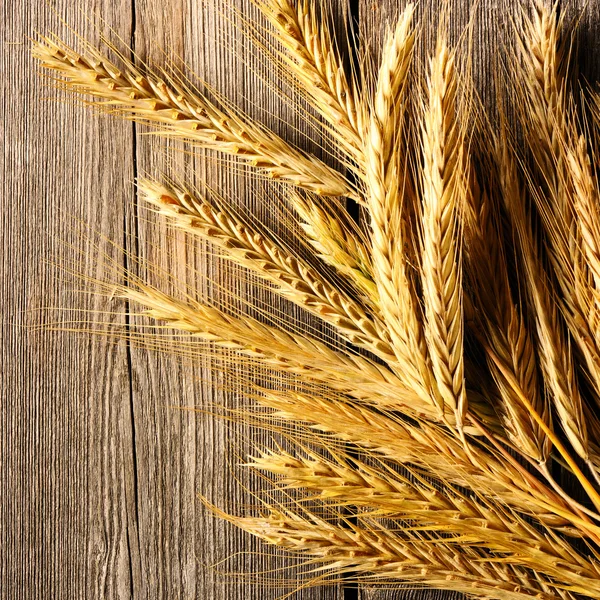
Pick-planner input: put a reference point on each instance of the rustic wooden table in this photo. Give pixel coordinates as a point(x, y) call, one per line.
point(100, 474)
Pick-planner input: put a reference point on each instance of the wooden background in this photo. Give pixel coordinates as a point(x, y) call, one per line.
point(100, 474)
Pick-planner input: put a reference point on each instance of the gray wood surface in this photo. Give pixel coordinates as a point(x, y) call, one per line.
point(100, 473)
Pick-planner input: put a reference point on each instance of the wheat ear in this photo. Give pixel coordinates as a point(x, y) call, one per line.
point(586, 202)
point(177, 111)
point(545, 120)
point(546, 91)
point(311, 54)
point(443, 194)
point(561, 156)
point(584, 317)
point(503, 327)
point(345, 481)
point(423, 447)
point(373, 553)
point(387, 188)
point(555, 356)
point(296, 280)
point(585, 323)
point(250, 248)
point(356, 376)
point(339, 242)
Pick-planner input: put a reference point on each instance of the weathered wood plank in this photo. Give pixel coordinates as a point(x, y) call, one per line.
point(173, 454)
point(65, 431)
point(100, 472)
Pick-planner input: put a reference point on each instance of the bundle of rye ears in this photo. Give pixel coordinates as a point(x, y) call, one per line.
point(452, 262)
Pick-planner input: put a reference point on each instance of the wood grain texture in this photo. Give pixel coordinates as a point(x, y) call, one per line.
point(179, 454)
point(67, 467)
point(100, 469)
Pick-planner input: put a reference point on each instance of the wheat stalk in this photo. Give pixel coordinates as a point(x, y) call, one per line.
point(357, 376)
point(465, 520)
point(586, 200)
point(339, 243)
point(297, 281)
point(387, 186)
point(424, 448)
point(372, 552)
point(556, 359)
point(546, 90)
